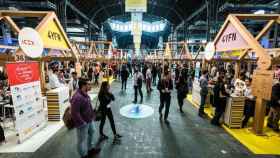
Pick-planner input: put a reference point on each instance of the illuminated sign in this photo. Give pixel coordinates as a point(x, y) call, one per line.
point(53, 37)
point(136, 6)
point(30, 42)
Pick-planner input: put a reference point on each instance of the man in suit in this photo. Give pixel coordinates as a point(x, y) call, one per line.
point(165, 86)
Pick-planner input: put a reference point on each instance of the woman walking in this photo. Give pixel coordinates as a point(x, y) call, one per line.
point(182, 91)
point(105, 98)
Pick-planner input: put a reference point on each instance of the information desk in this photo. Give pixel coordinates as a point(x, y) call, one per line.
point(234, 111)
point(58, 101)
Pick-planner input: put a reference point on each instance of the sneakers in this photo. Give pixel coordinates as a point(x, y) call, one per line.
point(104, 137)
point(94, 151)
point(117, 136)
point(202, 114)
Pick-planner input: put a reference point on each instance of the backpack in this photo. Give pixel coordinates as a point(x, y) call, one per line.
point(67, 119)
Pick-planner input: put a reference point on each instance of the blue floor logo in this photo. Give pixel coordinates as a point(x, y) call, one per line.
point(136, 111)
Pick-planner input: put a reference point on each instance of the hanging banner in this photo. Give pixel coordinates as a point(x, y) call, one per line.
point(53, 37)
point(24, 79)
point(231, 39)
point(232, 55)
point(136, 6)
point(197, 70)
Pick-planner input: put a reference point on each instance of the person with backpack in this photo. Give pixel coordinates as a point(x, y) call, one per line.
point(138, 80)
point(83, 115)
point(182, 91)
point(105, 97)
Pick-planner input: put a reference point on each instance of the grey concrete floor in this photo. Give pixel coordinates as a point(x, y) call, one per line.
point(187, 136)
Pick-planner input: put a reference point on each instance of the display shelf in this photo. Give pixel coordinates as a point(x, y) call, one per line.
point(234, 111)
point(58, 101)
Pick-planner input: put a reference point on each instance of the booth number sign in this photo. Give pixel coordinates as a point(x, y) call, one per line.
point(19, 57)
point(54, 36)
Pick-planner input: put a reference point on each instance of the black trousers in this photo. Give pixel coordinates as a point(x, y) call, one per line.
point(180, 101)
point(124, 84)
point(136, 90)
point(107, 112)
point(220, 109)
point(249, 111)
point(165, 103)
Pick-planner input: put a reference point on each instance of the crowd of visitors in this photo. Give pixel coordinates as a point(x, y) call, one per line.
point(220, 81)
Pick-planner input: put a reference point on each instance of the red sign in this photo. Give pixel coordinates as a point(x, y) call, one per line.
point(231, 39)
point(20, 73)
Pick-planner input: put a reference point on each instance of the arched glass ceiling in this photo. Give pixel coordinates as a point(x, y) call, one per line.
point(151, 27)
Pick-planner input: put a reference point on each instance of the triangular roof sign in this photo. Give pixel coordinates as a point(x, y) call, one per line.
point(230, 39)
point(53, 35)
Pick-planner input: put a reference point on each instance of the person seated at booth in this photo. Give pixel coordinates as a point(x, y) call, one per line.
point(250, 101)
point(53, 79)
point(61, 78)
point(274, 113)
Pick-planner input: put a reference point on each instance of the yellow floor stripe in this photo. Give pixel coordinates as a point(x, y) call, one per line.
point(110, 79)
point(267, 145)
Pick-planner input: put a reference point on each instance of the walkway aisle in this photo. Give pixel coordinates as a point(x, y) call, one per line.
point(187, 136)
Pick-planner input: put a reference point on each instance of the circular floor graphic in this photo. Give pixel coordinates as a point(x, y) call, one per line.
point(136, 111)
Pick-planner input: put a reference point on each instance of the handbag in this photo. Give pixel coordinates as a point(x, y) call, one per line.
point(67, 119)
point(97, 111)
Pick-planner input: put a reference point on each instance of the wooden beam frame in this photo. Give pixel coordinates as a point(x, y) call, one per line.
point(262, 74)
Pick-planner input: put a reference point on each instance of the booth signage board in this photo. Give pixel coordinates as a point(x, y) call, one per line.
point(135, 5)
point(53, 37)
point(24, 79)
point(231, 39)
point(209, 51)
point(233, 55)
point(30, 42)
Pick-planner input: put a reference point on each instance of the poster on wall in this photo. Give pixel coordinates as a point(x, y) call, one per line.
point(24, 80)
point(197, 70)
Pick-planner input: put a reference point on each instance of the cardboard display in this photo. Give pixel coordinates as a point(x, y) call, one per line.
point(24, 79)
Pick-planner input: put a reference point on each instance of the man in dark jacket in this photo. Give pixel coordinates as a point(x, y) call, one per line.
point(165, 86)
point(124, 76)
point(274, 114)
point(83, 115)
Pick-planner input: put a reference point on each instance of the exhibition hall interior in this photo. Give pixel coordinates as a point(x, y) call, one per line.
point(139, 78)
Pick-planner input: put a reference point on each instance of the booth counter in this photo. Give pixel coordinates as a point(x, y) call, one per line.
point(58, 101)
point(234, 111)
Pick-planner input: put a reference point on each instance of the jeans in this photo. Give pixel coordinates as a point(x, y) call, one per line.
point(85, 139)
point(136, 90)
point(107, 112)
point(202, 102)
point(165, 102)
